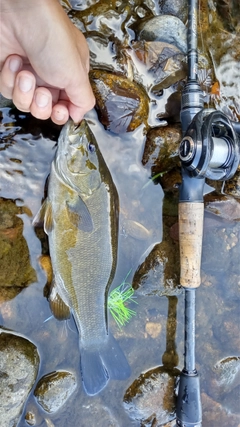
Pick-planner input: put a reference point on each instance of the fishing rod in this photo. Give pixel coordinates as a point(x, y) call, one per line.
point(209, 149)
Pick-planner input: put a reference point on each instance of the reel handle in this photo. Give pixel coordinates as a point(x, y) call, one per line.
point(190, 241)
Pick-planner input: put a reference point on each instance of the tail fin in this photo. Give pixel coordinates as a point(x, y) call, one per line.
point(98, 365)
point(115, 360)
point(94, 373)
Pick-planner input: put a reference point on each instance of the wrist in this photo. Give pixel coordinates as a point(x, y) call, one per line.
point(19, 15)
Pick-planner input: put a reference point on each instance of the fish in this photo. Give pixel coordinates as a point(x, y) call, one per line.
point(81, 218)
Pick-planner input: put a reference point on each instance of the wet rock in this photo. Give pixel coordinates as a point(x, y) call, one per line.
point(232, 186)
point(170, 207)
point(226, 68)
point(19, 362)
point(215, 415)
point(220, 248)
point(229, 11)
point(231, 401)
point(16, 271)
point(161, 149)
point(135, 229)
point(151, 399)
point(172, 108)
point(82, 4)
point(170, 184)
point(159, 273)
point(121, 105)
point(54, 389)
point(4, 102)
point(224, 206)
point(229, 337)
point(177, 8)
point(163, 61)
point(226, 375)
point(165, 28)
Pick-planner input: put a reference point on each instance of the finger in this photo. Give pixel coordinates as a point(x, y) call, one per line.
point(80, 103)
point(10, 69)
point(76, 113)
point(60, 114)
point(41, 106)
point(23, 91)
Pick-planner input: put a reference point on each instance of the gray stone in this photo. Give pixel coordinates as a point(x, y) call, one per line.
point(227, 374)
point(177, 8)
point(151, 399)
point(166, 28)
point(54, 389)
point(19, 362)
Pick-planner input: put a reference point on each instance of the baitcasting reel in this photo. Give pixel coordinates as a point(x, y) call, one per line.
point(210, 147)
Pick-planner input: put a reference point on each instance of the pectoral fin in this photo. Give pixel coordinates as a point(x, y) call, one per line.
point(79, 214)
point(44, 216)
point(59, 309)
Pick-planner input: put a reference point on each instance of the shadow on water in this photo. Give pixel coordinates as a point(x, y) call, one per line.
point(148, 247)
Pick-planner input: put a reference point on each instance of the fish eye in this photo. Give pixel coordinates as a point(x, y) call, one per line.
point(91, 148)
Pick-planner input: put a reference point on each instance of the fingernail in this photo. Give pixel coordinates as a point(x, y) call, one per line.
point(15, 64)
point(59, 115)
point(25, 84)
point(41, 99)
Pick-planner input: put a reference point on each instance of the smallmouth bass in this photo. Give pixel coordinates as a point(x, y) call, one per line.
point(80, 216)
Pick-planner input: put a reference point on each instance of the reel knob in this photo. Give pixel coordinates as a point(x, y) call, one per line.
point(187, 149)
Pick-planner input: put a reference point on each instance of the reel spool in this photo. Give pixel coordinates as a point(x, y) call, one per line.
point(210, 147)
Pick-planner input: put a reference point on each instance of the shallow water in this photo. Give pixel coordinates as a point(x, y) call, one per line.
point(27, 148)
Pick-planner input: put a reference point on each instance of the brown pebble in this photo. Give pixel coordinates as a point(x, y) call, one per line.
point(153, 329)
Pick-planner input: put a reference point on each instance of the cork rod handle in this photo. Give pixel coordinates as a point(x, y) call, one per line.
point(190, 239)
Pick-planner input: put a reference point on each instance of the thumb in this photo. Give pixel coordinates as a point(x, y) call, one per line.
point(81, 100)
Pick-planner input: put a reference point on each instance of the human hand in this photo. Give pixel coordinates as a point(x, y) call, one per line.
point(44, 61)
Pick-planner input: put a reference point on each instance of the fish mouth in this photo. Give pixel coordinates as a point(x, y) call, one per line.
point(75, 127)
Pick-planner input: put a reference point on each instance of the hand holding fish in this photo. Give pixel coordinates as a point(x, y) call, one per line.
point(44, 61)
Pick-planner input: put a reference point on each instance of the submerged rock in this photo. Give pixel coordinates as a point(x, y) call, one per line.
point(177, 8)
point(151, 398)
point(165, 63)
point(224, 49)
point(215, 415)
point(229, 12)
point(16, 271)
point(165, 28)
point(159, 273)
point(232, 186)
point(223, 206)
point(19, 362)
point(172, 108)
point(121, 105)
point(82, 4)
point(161, 149)
point(226, 375)
point(54, 389)
point(93, 414)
